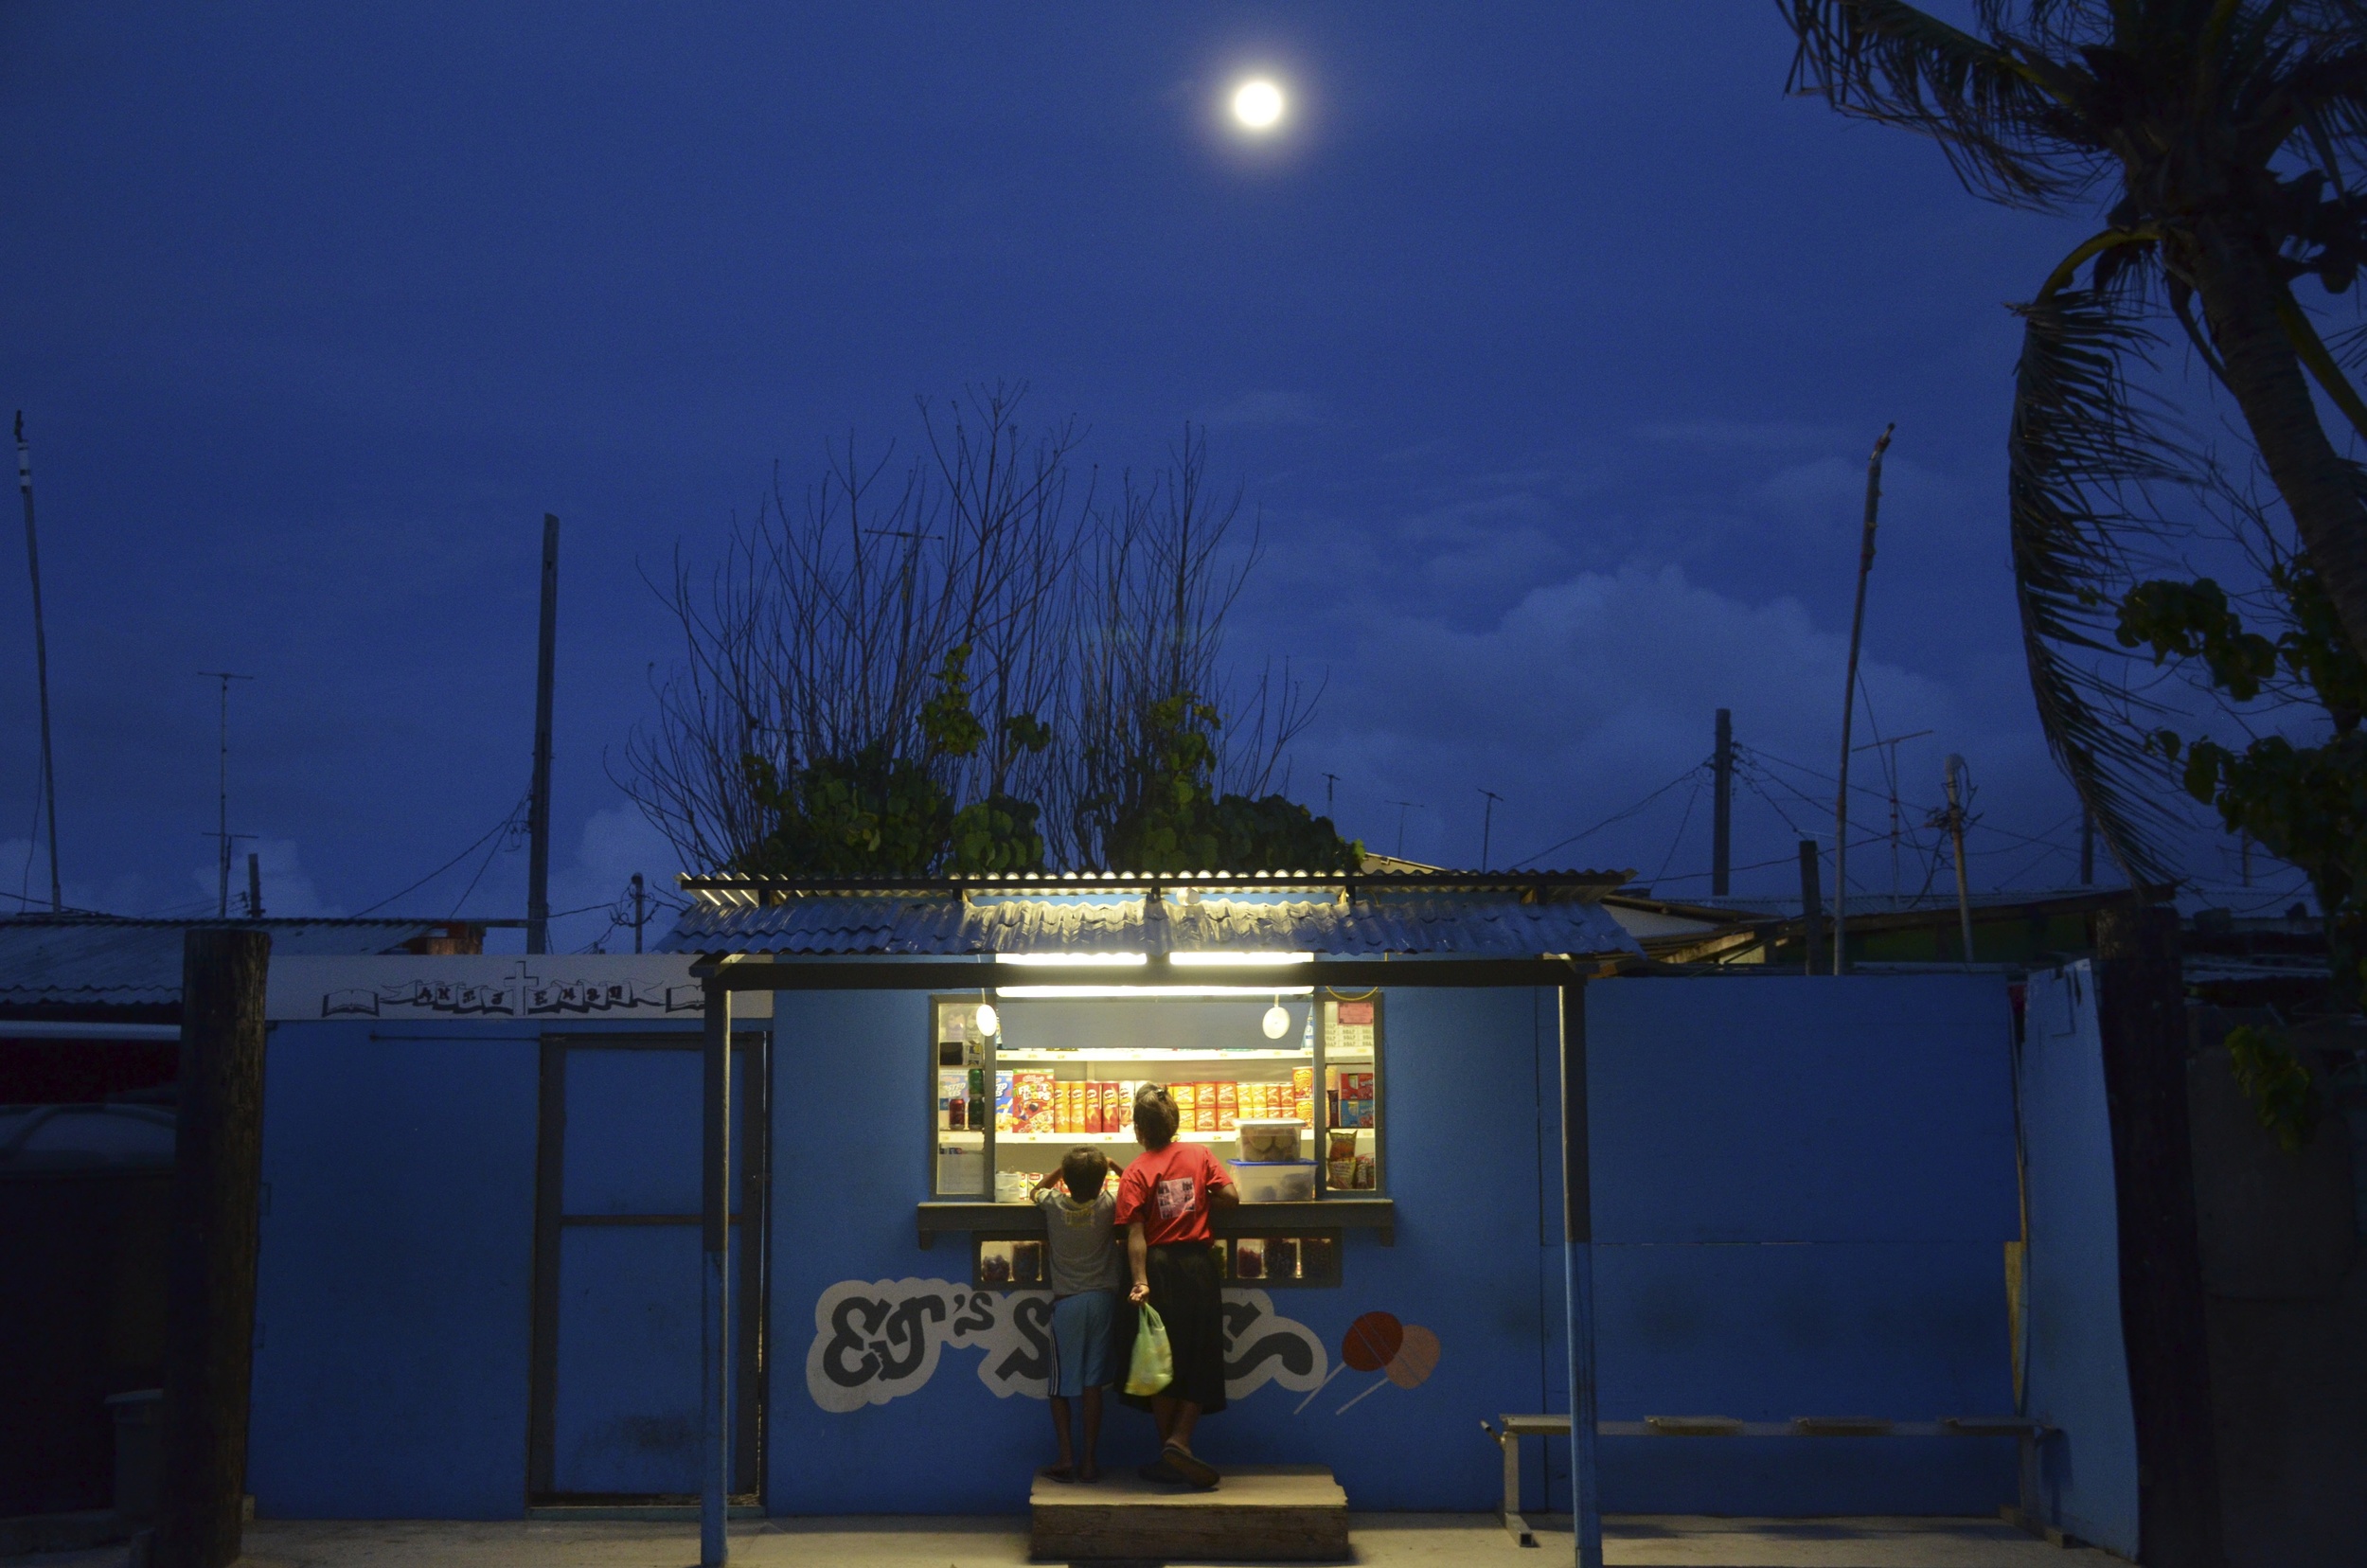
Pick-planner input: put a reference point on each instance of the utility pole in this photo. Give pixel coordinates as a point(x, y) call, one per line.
point(222, 835)
point(1889, 748)
point(1403, 807)
point(1954, 820)
point(1722, 808)
point(1488, 822)
point(539, 802)
point(1812, 906)
point(254, 885)
point(2087, 847)
point(639, 914)
point(40, 658)
point(1849, 704)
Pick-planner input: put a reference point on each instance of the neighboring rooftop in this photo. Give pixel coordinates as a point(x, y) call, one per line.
point(62, 966)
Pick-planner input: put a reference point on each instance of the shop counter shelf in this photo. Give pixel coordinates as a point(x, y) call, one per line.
point(961, 1216)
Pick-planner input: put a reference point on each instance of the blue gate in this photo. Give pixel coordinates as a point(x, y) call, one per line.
point(616, 1269)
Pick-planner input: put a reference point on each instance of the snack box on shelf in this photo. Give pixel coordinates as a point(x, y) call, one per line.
point(1270, 1138)
point(1275, 1180)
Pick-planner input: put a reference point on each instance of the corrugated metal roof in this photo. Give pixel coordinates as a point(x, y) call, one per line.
point(100, 961)
point(1494, 922)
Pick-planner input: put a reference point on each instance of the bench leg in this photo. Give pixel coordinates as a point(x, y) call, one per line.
point(1515, 1526)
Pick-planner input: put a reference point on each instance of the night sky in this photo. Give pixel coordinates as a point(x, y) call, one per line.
point(1548, 341)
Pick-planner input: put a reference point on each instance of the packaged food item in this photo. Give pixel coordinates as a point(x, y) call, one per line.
point(1302, 1080)
point(1205, 1107)
point(1065, 1106)
point(1186, 1097)
point(1340, 1175)
point(1001, 1099)
point(1249, 1258)
point(1356, 1086)
point(1364, 1173)
point(1342, 1145)
point(1282, 1257)
point(1228, 1107)
point(1032, 1103)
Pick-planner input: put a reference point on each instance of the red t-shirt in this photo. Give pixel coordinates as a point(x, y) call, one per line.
point(1167, 1190)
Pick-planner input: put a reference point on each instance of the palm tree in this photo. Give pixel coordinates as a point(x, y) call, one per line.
point(2226, 137)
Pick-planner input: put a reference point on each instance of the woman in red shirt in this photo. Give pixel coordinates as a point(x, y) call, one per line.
point(1165, 1200)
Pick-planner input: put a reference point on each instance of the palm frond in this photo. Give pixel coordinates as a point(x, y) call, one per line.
point(1999, 112)
point(2084, 448)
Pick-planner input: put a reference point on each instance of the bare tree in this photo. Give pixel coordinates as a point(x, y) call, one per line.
point(824, 630)
point(824, 634)
point(1164, 570)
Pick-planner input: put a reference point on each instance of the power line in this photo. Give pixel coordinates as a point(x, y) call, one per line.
point(1620, 816)
point(507, 822)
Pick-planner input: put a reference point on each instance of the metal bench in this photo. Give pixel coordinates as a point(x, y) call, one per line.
point(1517, 1427)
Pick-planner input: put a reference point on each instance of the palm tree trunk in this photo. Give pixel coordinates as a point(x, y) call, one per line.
point(2239, 299)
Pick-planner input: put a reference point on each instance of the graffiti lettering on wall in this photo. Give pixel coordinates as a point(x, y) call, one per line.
point(878, 1340)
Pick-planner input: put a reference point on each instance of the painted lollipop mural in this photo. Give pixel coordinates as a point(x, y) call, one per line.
point(1415, 1360)
point(1404, 1354)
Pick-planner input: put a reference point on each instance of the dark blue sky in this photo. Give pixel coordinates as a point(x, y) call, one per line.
point(1548, 340)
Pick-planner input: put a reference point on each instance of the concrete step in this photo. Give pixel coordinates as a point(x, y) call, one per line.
point(1258, 1513)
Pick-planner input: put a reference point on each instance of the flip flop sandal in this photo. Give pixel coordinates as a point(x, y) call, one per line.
point(1157, 1470)
point(1059, 1473)
point(1191, 1466)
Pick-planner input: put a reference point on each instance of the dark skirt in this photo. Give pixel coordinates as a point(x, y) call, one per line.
point(1185, 1291)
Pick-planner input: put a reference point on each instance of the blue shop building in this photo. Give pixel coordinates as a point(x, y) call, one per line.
point(481, 1268)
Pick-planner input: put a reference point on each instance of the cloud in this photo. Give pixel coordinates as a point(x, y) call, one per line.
point(1264, 410)
point(1596, 689)
point(616, 842)
point(288, 890)
point(1739, 436)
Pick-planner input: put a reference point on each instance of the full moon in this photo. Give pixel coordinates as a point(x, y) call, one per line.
point(1258, 104)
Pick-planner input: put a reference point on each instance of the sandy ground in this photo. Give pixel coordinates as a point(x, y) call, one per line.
point(1402, 1539)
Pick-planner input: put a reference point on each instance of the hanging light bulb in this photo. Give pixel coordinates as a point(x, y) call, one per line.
point(1278, 1021)
point(988, 1024)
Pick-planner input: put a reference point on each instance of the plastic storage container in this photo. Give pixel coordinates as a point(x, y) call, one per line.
point(1275, 1180)
point(1270, 1138)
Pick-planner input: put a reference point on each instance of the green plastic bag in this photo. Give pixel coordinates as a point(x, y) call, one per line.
point(1153, 1366)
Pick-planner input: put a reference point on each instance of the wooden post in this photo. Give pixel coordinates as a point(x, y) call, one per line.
point(715, 1338)
point(1577, 1212)
point(2141, 1015)
point(209, 1326)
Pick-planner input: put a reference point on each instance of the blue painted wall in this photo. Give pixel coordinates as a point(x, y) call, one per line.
point(1801, 1191)
point(1463, 1149)
point(393, 1316)
point(2077, 1376)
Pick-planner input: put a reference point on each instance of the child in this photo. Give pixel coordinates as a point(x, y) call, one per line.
point(1087, 1273)
point(1164, 1202)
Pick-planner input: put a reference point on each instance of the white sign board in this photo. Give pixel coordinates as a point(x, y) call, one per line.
point(546, 988)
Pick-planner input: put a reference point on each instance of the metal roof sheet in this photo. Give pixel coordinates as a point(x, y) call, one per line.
point(94, 960)
point(1485, 923)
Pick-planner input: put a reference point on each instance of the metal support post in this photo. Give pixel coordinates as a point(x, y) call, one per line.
point(715, 1340)
point(1578, 1210)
